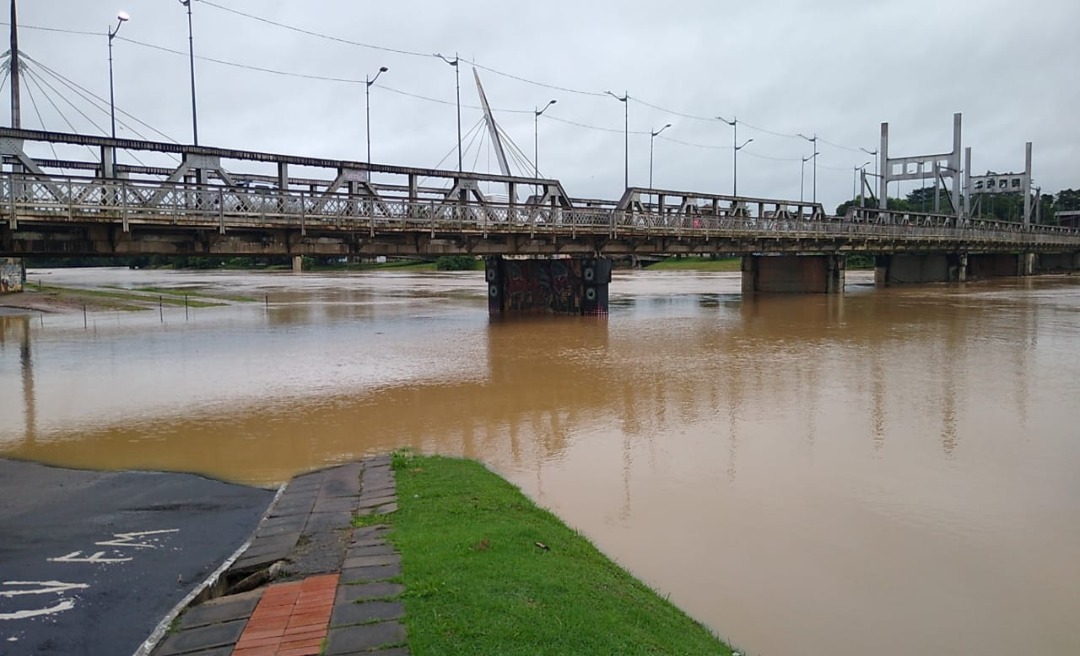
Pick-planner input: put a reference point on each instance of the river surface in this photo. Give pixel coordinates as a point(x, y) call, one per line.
point(884, 472)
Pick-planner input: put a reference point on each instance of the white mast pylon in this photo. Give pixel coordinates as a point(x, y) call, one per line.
point(494, 132)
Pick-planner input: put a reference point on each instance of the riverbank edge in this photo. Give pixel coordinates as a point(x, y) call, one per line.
point(483, 562)
point(415, 537)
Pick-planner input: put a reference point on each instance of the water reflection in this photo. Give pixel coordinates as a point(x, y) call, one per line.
point(521, 388)
point(810, 461)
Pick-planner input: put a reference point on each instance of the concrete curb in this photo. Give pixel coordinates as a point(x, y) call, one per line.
point(308, 528)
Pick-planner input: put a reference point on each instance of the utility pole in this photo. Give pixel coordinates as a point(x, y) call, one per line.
point(16, 119)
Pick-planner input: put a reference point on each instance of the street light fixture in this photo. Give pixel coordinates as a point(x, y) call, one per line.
point(735, 177)
point(536, 139)
point(734, 123)
point(625, 100)
point(652, 137)
point(191, 60)
point(457, 84)
point(802, 173)
point(368, 81)
point(121, 18)
point(854, 193)
point(872, 153)
point(813, 140)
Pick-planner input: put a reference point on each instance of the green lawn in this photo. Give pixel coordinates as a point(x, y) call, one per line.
point(487, 572)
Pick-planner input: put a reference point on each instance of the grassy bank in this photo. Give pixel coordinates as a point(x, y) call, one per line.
point(487, 572)
point(697, 264)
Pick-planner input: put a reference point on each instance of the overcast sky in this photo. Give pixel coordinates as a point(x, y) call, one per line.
point(834, 68)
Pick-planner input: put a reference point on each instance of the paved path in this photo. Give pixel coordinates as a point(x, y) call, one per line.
point(90, 562)
point(331, 584)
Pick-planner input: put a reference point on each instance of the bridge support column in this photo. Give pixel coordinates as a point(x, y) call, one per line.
point(297, 263)
point(1026, 265)
point(560, 286)
point(12, 275)
point(1000, 265)
point(793, 274)
point(958, 267)
point(905, 269)
point(1057, 262)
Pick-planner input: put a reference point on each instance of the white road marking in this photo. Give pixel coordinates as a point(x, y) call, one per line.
point(65, 604)
point(96, 557)
point(48, 586)
point(127, 539)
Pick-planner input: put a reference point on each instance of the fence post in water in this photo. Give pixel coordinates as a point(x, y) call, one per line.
point(161, 308)
point(185, 307)
point(268, 302)
point(84, 316)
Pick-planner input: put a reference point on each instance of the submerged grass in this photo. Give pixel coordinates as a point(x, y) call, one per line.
point(117, 298)
point(488, 572)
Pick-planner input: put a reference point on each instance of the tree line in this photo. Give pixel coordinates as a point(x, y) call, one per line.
point(1003, 207)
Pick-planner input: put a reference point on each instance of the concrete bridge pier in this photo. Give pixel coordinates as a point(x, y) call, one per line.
point(1057, 262)
point(297, 263)
point(907, 268)
point(12, 275)
point(1000, 265)
point(558, 285)
point(793, 274)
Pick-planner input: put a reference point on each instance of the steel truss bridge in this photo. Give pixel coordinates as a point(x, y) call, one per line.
point(233, 202)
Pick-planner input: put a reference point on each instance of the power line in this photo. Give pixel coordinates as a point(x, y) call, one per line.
point(54, 29)
point(83, 93)
point(549, 116)
point(312, 33)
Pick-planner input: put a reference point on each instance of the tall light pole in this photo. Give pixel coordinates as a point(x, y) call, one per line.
point(625, 100)
point(367, 100)
point(874, 155)
point(536, 139)
point(652, 137)
point(813, 140)
point(191, 59)
point(457, 85)
point(734, 123)
point(854, 178)
point(735, 176)
point(121, 18)
point(802, 173)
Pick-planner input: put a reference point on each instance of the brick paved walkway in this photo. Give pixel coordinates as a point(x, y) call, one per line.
point(341, 599)
point(291, 619)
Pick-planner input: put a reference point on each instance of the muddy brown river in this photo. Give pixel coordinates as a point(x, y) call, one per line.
point(887, 472)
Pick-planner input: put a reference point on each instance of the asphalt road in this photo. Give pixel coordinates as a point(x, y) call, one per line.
point(90, 562)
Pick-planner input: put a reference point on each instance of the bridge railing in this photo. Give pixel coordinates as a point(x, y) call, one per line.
point(134, 202)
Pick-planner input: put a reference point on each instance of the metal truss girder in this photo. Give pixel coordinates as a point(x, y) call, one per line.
point(255, 156)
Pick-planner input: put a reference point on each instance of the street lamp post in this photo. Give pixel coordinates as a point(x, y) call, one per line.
point(191, 60)
point(813, 140)
point(874, 155)
point(802, 173)
point(735, 175)
point(536, 139)
point(734, 123)
point(457, 85)
point(121, 18)
point(625, 100)
point(854, 178)
point(652, 137)
point(367, 100)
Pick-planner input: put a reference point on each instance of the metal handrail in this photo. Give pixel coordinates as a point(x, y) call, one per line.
point(133, 202)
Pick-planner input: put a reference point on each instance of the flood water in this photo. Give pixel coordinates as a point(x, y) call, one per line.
point(885, 472)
